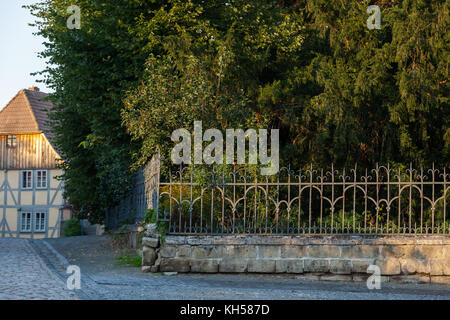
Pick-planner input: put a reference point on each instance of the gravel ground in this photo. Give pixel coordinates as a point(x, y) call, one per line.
point(106, 279)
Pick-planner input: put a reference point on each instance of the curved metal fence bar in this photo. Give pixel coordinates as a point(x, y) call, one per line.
point(382, 200)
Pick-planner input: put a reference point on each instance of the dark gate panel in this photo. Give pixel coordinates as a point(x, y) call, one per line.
point(144, 195)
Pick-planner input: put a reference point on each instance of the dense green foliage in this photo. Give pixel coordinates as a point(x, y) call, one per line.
point(338, 92)
point(71, 228)
point(370, 96)
point(215, 67)
point(90, 69)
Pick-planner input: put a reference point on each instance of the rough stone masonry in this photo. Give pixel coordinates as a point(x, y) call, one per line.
point(329, 257)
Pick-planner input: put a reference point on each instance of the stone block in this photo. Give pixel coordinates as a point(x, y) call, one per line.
point(175, 240)
point(389, 266)
point(424, 252)
point(151, 230)
point(201, 252)
point(268, 240)
point(233, 265)
point(261, 266)
point(175, 265)
point(440, 279)
point(437, 267)
point(205, 266)
point(446, 251)
point(150, 242)
point(396, 251)
point(184, 251)
point(422, 266)
point(325, 251)
point(408, 266)
point(316, 265)
point(340, 266)
point(206, 252)
point(360, 266)
point(360, 252)
point(154, 269)
point(289, 266)
point(293, 251)
point(148, 256)
point(446, 266)
point(158, 260)
point(168, 251)
point(200, 240)
point(146, 269)
point(269, 251)
point(242, 252)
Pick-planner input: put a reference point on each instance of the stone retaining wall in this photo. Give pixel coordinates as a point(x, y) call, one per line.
point(325, 257)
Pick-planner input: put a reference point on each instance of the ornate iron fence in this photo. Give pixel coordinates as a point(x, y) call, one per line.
point(383, 200)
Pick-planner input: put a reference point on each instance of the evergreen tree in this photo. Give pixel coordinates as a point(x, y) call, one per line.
point(365, 95)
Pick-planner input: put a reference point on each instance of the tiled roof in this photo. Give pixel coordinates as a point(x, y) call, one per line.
point(27, 112)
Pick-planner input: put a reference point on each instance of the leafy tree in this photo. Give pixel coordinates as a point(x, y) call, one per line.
point(338, 92)
point(92, 68)
point(216, 62)
point(89, 70)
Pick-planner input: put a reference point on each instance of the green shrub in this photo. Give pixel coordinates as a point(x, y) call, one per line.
point(130, 258)
point(72, 227)
point(150, 216)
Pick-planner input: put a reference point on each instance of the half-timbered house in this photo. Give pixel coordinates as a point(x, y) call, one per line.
point(31, 197)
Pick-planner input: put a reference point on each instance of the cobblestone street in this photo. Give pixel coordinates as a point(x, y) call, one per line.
point(35, 270)
point(24, 275)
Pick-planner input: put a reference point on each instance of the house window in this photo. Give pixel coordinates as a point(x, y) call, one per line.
point(27, 179)
point(39, 222)
point(33, 222)
point(11, 141)
point(41, 179)
point(25, 225)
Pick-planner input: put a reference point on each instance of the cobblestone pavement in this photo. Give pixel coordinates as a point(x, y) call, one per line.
point(103, 278)
point(243, 287)
point(95, 256)
point(24, 274)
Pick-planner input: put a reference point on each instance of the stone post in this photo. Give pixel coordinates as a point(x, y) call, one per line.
point(150, 248)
